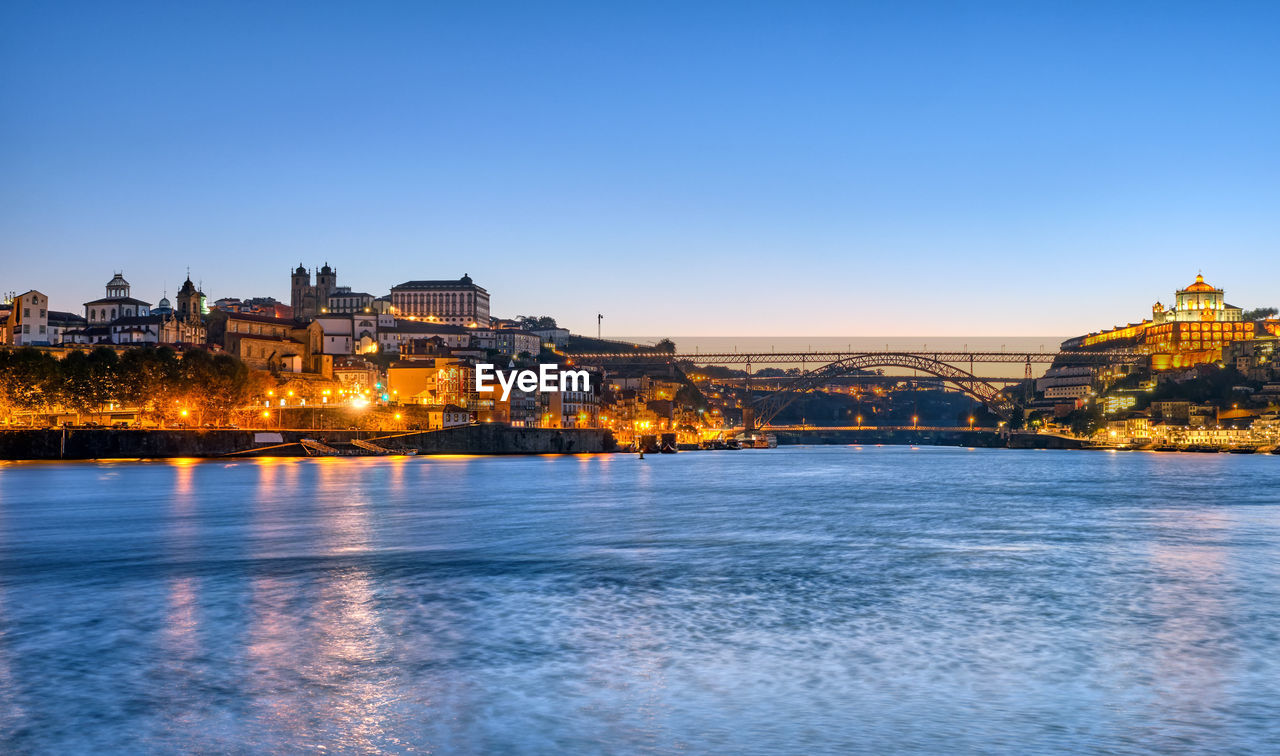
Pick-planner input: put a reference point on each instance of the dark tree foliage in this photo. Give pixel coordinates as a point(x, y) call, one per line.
point(536, 321)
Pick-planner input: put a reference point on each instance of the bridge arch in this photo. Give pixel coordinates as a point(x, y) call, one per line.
point(769, 407)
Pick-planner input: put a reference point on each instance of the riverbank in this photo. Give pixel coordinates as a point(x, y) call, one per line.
point(891, 437)
point(126, 443)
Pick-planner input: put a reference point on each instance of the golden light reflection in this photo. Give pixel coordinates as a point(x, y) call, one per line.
point(322, 626)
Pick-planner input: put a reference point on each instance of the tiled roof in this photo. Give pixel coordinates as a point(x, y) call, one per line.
point(118, 301)
point(462, 283)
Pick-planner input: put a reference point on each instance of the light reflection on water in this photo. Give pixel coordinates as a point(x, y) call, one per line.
point(811, 600)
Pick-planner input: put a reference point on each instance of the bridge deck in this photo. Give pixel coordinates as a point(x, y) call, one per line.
point(818, 358)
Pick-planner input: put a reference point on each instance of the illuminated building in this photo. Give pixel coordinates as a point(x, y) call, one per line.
point(354, 333)
point(435, 381)
point(1192, 332)
point(355, 374)
point(1183, 344)
point(1199, 302)
point(459, 302)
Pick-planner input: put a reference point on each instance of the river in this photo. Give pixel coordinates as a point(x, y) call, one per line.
point(803, 600)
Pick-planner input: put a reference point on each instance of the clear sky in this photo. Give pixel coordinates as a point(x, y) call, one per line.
point(682, 167)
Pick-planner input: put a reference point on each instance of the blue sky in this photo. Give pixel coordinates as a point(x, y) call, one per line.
point(942, 168)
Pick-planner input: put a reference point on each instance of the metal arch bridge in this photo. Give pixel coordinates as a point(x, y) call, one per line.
point(839, 364)
point(769, 406)
point(816, 358)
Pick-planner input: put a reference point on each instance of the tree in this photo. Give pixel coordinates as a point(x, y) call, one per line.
point(30, 381)
point(666, 345)
point(530, 322)
point(149, 381)
point(1261, 313)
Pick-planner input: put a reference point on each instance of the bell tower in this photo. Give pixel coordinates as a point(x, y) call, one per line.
point(326, 284)
point(300, 283)
point(189, 302)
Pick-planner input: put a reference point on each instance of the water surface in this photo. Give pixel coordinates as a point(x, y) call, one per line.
point(798, 600)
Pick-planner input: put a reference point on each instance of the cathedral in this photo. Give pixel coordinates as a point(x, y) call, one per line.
point(306, 299)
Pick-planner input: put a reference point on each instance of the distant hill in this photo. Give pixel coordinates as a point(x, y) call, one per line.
point(588, 345)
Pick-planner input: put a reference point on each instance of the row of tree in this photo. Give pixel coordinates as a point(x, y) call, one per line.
point(164, 387)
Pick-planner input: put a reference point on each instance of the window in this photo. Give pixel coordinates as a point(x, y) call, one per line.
point(26, 312)
point(42, 329)
point(26, 328)
point(44, 313)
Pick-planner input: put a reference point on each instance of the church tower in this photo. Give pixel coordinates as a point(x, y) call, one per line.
point(326, 284)
point(190, 305)
point(301, 285)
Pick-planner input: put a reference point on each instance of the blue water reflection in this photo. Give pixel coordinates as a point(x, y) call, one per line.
point(801, 600)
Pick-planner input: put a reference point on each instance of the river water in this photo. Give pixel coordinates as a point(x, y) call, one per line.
point(798, 600)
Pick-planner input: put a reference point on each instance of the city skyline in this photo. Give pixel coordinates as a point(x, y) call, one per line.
point(921, 170)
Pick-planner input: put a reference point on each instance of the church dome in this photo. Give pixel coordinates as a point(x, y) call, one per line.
point(164, 304)
point(465, 280)
point(1200, 285)
point(301, 271)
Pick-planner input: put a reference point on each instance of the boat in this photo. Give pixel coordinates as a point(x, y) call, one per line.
point(1200, 449)
point(1166, 448)
point(756, 440)
point(667, 443)
point(1242, 450)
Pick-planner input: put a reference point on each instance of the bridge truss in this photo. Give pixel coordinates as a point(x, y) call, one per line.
point(831, 365)
point(768, 407)
point(811, 358)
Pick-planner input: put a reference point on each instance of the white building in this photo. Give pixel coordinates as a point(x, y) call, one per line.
point(459, 302)
point(116, 304)
point(355, 333)
point(344, 300)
